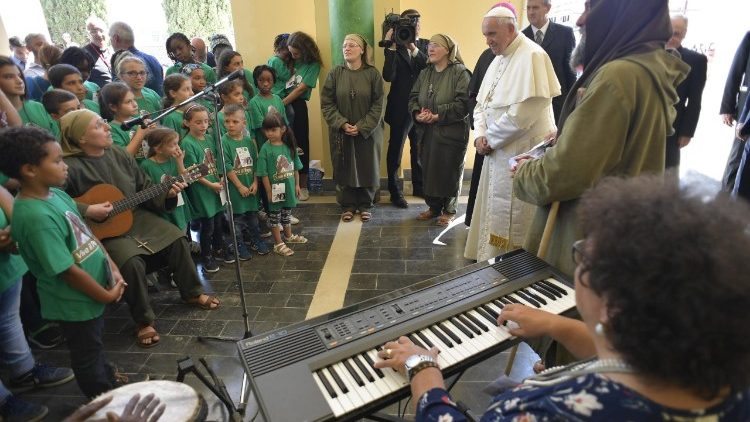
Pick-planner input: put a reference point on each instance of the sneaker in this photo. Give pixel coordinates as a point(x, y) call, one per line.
point(261, 247)
point(294, 220)
point(48, 336)
point(40, 375)
point(17, 410)
point(244, 253)
point(228, 255)
point(399, 202)
point(210, 265)
point(304, 194)
point(267, 234)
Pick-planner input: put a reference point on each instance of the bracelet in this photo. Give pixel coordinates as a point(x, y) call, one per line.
point(422, 365)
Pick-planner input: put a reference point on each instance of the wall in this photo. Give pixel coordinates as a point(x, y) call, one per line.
point(256, 23)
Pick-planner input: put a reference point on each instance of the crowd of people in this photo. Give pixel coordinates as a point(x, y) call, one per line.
point(634, 104)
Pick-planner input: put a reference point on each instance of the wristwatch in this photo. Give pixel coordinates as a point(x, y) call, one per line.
point(416, 363)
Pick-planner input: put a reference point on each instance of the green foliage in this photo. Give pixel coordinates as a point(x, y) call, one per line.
point(198, 18)
point(70, 16)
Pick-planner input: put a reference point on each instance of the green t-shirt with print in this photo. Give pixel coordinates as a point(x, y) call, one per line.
point(283, 74)
point(122, 138)
point(204, 201)
point(91, 105)
point(276, 163)
point(208, 71)
point(33, 114)
point(174, 121)
point(241, 157)
point(156, 172)
point(258, 108)
point(51, 238)
point(149, 100)
point(12, 266)
point(306, 73)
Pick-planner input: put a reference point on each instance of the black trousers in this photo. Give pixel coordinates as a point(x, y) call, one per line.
point(301, 129)
point(672, 152)
point(733, 163)
point(94, 374)
point(476, 172)
point(399, 132)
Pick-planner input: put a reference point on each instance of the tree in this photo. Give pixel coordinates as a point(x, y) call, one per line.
point(198, 18)
point(70, 16)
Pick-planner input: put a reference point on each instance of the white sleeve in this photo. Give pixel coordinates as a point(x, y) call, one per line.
point(480, 126)
point(516, 121)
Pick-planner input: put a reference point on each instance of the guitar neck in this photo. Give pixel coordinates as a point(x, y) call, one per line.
point(144, 195)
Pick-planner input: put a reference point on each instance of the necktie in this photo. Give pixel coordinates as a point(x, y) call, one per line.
point(539, 36)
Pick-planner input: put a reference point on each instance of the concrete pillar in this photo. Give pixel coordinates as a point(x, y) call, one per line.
point(349, 17)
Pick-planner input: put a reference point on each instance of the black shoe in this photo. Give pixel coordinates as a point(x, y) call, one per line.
point(399, 201)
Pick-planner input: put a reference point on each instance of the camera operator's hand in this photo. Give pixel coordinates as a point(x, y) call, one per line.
point(389, 36)
point(411, 47)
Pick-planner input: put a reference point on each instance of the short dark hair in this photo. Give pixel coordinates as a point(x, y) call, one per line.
point(15, 42)
point(410, 12)
point(20, 146)
point(57, 73)
point(52, 99)
point(672, 264)
point(263, 68)
point(177, 36)
point(233, 108)
point(79, 58)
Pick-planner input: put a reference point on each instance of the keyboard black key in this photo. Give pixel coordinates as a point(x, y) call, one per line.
point(506, 301)
point(543, 290)
point(513, 300)
point(498, 303)
point(552, 286)
point(481, 311)
point(468, 324)
point(528, 298)
point(425, 340)
point(337, 379)
point(378, 372)
point(439, 334)
point(477, 322)
point(491, 312)
point(535, 296)
point(467, 332)
point(450, 333)
point(414, 339)
point(326, 384)
point(361, 365)
point(353, 373)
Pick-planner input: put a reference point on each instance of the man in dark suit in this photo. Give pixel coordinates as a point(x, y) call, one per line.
point(690, 92)
point(402, 66)
point(735, 92)
point(558, 41)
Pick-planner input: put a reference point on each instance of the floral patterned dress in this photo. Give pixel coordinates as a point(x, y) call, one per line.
point(592, 397)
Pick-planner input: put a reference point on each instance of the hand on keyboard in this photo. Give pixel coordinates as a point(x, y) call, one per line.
point(524, 321)
point(394, 353)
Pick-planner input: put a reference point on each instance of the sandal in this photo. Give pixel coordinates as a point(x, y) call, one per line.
point(204, 301)
point(147, 332)
point(426, 215)
point(365, 216)
point(295, 238)
point(283, 250)
point(445, 219)
point(347, 216)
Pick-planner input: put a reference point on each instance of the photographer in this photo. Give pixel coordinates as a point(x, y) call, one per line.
point(403, 62)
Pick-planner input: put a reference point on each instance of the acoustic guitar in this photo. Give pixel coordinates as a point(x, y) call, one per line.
point(120, 219)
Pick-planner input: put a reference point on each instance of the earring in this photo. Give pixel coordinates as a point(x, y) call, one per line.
point(599, 329)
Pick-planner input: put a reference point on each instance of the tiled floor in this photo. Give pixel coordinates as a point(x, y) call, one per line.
point(392, 251)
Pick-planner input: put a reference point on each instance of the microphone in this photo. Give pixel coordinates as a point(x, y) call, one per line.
point(236, 74)
point(136, 121)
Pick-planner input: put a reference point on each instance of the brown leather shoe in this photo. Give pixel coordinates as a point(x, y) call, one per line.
point(426, 215)
point(445, 219)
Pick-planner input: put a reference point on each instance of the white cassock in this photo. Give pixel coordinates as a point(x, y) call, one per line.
point(514, 113)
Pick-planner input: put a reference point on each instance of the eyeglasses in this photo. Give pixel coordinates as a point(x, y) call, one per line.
point(579, 256)
point(134, 74)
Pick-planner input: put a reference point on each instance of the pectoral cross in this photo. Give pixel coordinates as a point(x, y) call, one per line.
point(430, 90)
point(142, 244)
point(352, 94)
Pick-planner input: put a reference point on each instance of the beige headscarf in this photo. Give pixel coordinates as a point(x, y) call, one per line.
point(72, 127)
point(447, 42)
point(362, 42)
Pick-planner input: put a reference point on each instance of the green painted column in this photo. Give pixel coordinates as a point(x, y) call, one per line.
point(349, 17)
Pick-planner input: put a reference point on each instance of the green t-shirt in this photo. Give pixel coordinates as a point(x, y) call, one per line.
point(3, 178)
point(174, 121)
point(156, 172)
point(258, 108)
point(51, 238)
point(283, 74)
point(12, 266)
point(92, 90)
point(122, 139)
point(275, 162)
point(91, 105)
point(241, 157)
point(149, 100)
point(306, 73)
point(204, 201)
point(208, 71)
point(33, 114)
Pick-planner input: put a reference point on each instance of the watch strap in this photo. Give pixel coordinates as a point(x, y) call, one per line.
point(420, 366)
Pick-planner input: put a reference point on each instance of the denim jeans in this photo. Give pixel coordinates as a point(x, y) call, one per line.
point(14, 349)
point(94, 374)
point(247, 223)
point(211, 234)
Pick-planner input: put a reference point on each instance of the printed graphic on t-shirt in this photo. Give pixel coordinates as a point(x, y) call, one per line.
point(294, 81)
point(284, 169)
point(180, 199)
point(86, 244)
point(243, 162)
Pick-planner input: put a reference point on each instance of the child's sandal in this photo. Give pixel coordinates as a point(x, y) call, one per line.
point(283, 250)
point(295, 238)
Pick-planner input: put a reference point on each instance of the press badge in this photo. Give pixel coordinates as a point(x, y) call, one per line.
point(278, 192)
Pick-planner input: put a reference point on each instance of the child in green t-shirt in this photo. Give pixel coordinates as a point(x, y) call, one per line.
point(76, 276)
point(177, 88)
point(278, 163)
point(31, 112)
point(118, 104)
point(265, 78)
point(132, 70)
point(59, 102)
point(231, 93)
point(180, 50)
point(241, 156)
point(67, 77)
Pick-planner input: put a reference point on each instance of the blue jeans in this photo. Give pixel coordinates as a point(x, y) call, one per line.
point(247, 221)
point(14, 349)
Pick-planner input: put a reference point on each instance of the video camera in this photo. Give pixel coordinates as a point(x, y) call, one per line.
point(404, 29)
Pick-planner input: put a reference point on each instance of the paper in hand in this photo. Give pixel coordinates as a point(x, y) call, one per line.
point(532, 154)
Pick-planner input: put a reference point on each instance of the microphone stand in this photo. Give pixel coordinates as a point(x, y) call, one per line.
point(212, 89)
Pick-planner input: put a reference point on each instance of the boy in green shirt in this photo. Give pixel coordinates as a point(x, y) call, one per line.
point(76, 277)
point(67, 77)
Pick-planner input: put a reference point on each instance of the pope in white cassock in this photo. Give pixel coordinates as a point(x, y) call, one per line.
point(513, 113)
